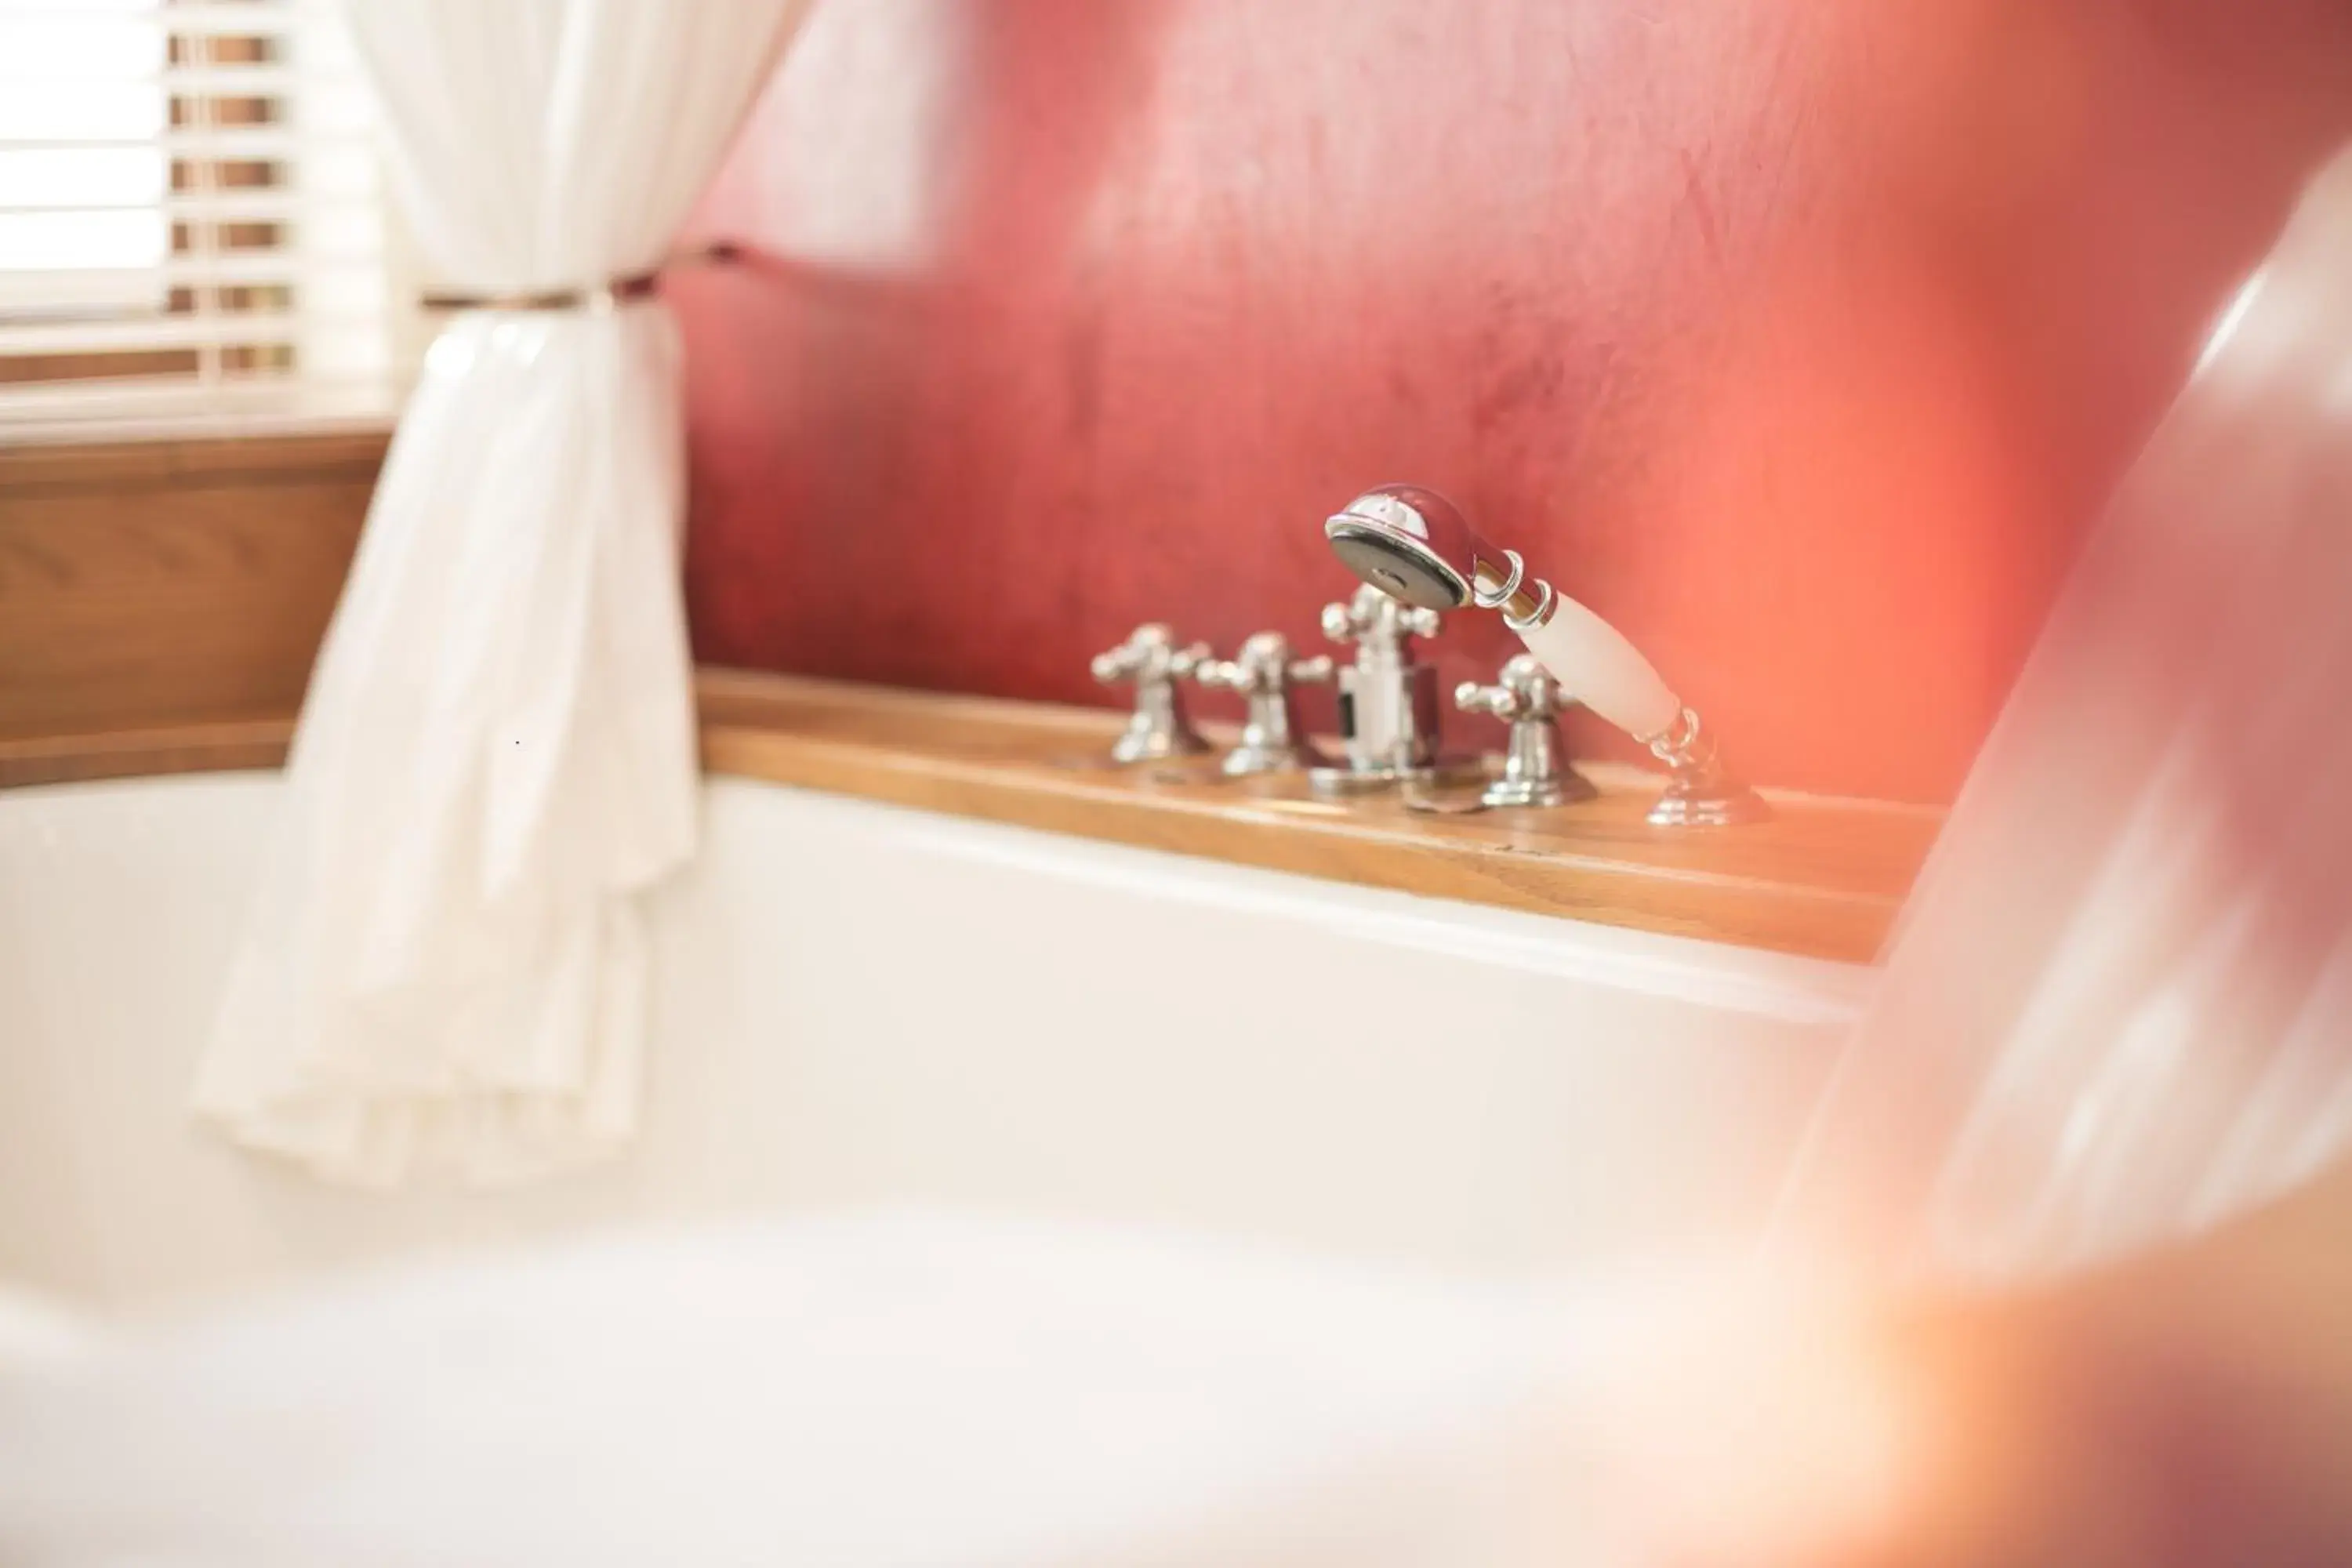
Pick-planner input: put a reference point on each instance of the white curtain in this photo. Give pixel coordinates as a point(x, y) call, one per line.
point(445, 974)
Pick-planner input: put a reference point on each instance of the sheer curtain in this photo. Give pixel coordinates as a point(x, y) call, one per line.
point(445, 972)
point(2119, 1007)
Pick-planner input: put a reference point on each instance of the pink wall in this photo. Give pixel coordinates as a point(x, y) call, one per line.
point(1797, 338)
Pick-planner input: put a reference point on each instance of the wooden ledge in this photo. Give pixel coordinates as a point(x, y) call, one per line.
point(1823, 878)
point(39, 468)
point(203, 746)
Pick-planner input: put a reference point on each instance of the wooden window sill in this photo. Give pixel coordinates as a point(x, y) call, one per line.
point(157, 582)
point(114, 458)
point(1823, 878)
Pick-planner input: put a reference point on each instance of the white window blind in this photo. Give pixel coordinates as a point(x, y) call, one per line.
point(191, 218)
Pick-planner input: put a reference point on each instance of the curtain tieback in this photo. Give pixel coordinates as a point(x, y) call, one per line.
point(598, 300)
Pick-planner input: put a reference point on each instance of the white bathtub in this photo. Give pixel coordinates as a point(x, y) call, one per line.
point(862, 1006)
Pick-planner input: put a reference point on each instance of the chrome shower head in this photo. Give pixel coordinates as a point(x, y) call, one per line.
point(1412, 543)
point(1407, 542)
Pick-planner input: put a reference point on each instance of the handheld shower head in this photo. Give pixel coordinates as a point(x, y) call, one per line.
point(1415, 546)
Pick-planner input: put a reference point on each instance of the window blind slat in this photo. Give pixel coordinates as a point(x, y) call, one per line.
point(261, 269)
point(244, 20)
point(259, 142)
point(235, 206)
point(260, 79)
point(235, 329)
point(54, 410)
point(191, 210)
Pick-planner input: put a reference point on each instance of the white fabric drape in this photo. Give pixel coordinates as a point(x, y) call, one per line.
point(2119, 1008)
point(445, 974)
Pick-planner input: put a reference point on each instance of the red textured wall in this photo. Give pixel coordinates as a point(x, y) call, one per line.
point(1799, 339)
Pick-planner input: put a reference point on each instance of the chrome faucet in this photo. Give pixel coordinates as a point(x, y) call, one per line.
point(1388, 715)
point(1159, 728)
point(1273, 740)
point(1413, 543)
point(1535, 769)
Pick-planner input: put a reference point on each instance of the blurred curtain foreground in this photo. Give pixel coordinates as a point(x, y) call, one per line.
point(2118, 1008)
point(445, 971)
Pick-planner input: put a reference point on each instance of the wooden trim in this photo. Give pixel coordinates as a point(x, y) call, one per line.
point(220, 745)
point(151, 584)
point(1823, 878)
point(47, 467)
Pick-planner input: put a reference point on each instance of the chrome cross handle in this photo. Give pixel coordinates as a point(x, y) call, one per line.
point(1264, 672)
point(1381, 625)
point(1151, 659)
point(1525, 693)
point(1535, 767)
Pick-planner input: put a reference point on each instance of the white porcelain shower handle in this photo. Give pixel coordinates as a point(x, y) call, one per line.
point(1595, 664)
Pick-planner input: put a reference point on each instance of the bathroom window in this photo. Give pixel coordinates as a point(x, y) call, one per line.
point(193, 228)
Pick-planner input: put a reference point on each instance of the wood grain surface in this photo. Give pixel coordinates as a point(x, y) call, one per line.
point(157, 584)
point(1823, 878)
